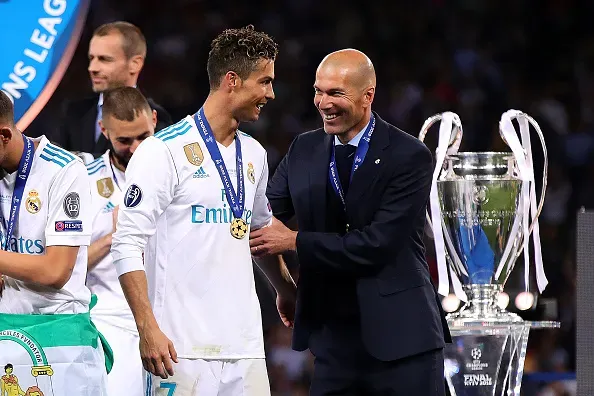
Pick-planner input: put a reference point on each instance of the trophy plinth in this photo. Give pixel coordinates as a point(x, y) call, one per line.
point(487, 358)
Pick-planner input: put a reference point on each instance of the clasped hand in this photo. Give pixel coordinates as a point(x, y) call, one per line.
point(273, 239)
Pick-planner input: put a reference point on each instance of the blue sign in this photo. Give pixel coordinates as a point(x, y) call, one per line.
point(37, 41)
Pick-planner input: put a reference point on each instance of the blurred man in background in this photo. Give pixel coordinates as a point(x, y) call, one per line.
point(127, 120)
point(117, 53)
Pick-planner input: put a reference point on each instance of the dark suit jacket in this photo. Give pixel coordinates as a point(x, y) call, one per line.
point(76, 131)
point(400, 312)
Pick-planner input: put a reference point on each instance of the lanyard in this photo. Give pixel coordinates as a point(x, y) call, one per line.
point(235, 200)
point(115, 179)
point(19, 187)
point(360, 154)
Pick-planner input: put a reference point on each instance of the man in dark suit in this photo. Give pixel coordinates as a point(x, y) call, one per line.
point(116, 56)
point(366, 307)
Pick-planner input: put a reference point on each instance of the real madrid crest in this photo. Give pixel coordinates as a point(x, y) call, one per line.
point(33, 202)
point(194, 153)
point(250, 173)
point(105, 187)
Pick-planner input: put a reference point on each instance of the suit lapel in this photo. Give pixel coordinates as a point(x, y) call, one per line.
point(374, 161)
point(318, 179)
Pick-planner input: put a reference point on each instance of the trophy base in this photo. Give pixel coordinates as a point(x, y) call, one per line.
point(488, 358)
point(482, 307)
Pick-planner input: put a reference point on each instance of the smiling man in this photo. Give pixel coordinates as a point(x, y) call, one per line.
point(117, 53)
point(359, 187)
point(193, 192)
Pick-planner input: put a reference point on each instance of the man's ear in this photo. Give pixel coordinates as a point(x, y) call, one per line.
point(154, 115)
point(103, 129)
point(5, 134)
point(369, 95)
point(135, 64)
point(231, 80)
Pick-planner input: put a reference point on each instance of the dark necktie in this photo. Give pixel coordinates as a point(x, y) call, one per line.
point(345, 154)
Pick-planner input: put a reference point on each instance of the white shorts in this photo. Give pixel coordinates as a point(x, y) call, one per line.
point(127, 374)
point(198, 377)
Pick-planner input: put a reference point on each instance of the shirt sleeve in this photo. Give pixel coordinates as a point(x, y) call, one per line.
point(70, 214)
point(151, 180)
point(261, 213)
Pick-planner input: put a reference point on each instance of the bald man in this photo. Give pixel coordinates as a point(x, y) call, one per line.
point(366, 307)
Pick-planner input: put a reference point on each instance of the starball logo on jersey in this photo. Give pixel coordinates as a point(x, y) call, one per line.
point(221, 214)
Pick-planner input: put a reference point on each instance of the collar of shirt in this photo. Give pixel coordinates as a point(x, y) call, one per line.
point(354, 141)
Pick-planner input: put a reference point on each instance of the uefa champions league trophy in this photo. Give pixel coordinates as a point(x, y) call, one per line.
point(483, 211)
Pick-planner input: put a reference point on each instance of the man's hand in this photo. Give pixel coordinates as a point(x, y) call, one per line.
point(274, 239)
point(285, 303)
point(157, 352)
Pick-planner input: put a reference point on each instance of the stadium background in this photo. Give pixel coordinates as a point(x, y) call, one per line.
point(476, 58)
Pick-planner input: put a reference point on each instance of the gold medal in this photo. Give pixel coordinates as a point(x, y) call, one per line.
point(239, 228)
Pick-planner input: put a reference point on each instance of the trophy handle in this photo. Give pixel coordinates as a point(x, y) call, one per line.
point(533, 122)
point(453, 144)
point(522, 149)
point(544, 170)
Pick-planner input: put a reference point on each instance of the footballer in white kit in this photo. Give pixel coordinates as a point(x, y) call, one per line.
point(194, 191)
point(56, 183)
point(126, 121)
point(46, 334)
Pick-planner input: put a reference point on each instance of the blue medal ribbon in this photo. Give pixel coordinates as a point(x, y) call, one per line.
point(115, 179)
point(19, 187)
point(236, 201)
point(360, 154)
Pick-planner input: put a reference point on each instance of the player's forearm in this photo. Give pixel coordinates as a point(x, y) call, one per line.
point(98, 250)
point(276, 271)
point(34, 269)
point(135, 289)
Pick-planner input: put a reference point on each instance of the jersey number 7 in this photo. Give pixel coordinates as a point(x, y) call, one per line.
point(170, 386)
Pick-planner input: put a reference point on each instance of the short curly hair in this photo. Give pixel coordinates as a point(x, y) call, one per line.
point(238, 50)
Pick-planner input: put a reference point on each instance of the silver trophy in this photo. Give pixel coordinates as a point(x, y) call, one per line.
point(483, 210)
point(485, 222)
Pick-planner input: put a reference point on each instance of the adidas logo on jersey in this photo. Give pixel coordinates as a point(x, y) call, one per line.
point(109, 207)
point(200, 173)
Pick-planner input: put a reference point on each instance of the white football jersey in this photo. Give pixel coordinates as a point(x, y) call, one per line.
point(201, 281)
point(106, 184)
point(55, 211)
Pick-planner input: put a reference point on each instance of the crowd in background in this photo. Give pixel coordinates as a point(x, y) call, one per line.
point(476, 58)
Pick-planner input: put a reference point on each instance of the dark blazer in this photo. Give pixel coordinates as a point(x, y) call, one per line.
point(400, 312)
point(76, 131)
